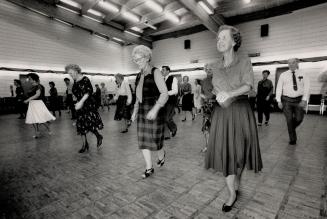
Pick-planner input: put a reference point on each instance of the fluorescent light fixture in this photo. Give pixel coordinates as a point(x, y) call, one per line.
point(130, 16)
point(205, 7)
point(71, 3)
point(68, 9)
point(94, 12)
point(247, 1)
point(137, 29)
point(131, 33)
point(63, 22)
point(38, 12)
point(101, 36)
point(108, 6)
point(117, 39)
point(154, 5)
point(173, 17)
point(91, 18)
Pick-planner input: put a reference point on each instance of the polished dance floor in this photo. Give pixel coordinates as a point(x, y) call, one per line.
point(47, 178)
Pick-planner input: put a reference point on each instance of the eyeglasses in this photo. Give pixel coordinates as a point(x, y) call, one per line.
point(138, 59)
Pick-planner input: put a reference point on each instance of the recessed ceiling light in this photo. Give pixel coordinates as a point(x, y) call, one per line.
point(130, 16)
point(96, 13)
point(71, 3)
point(67, 9)
point(118, 39)
point(91, 18)
point(247, 1)
point(137, 29)
point(131, 33)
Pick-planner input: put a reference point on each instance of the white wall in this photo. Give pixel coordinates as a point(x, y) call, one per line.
point(32, 41)
point(301, 34)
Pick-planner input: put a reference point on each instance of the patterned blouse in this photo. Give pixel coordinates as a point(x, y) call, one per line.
point(239, 73)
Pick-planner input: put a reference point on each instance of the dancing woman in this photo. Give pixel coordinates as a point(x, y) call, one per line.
point(151, 96)
point(88, 118)
point(187, 98)
point(233, 140)
point(37, 112)
point(123, 100)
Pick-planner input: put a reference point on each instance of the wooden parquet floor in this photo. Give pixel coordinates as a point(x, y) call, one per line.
point(47, 178)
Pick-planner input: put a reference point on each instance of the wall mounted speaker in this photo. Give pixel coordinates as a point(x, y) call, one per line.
point(187, 44)
point(264, 30)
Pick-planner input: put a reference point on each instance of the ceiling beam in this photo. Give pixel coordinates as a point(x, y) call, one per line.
point(272, 12)
point(155, 17)
point(88, 5)
point(127, 5)
point(199, 12)
point(79, 21)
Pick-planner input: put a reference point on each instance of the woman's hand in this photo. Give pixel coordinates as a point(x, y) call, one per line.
point(26, 101)
point(78, 105)
point(152, 114)
point(223, 97)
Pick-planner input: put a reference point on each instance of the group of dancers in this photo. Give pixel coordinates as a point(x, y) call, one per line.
point(229, 123)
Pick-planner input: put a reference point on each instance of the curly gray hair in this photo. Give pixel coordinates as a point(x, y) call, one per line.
point(74, 67)
point(142, 50)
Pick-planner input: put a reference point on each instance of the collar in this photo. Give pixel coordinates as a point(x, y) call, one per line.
point(234, 62)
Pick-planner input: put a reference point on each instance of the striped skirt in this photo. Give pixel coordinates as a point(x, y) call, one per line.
point(233, 140)
point(150, 133)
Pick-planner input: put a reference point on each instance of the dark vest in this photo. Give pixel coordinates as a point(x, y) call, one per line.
point(173, 98)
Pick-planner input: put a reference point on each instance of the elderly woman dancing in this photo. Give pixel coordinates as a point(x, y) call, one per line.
point(233, 140)
point(88, 118)
point(151, 96)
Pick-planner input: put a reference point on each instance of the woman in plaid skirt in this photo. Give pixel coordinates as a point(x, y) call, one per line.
point(151, 96)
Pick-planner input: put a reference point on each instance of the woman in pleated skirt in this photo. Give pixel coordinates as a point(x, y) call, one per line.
point(37, 112)
point(233, 141)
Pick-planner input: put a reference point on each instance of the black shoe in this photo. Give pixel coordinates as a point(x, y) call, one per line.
point(259, 124)
point(147, 173)
point(227, 208)
point(167, 138)
point(126, 130)
point(173, 133)
point(99, 141)
point(266, 123)
point(84, 148)
point(183, 120)
point(161, 162)
point(193, 117)
point(292, 142)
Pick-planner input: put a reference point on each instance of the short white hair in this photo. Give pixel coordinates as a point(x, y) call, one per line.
point(143, 50)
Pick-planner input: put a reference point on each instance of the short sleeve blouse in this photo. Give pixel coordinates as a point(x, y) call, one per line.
point(239, 73)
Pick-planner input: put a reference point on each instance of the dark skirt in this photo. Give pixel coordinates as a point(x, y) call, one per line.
point(88, 118)
point(150, 133)
point(187, 102)
point(122, 111)
point(233, 140)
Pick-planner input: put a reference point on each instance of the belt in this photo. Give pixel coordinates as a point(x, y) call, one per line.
point(291, 99)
